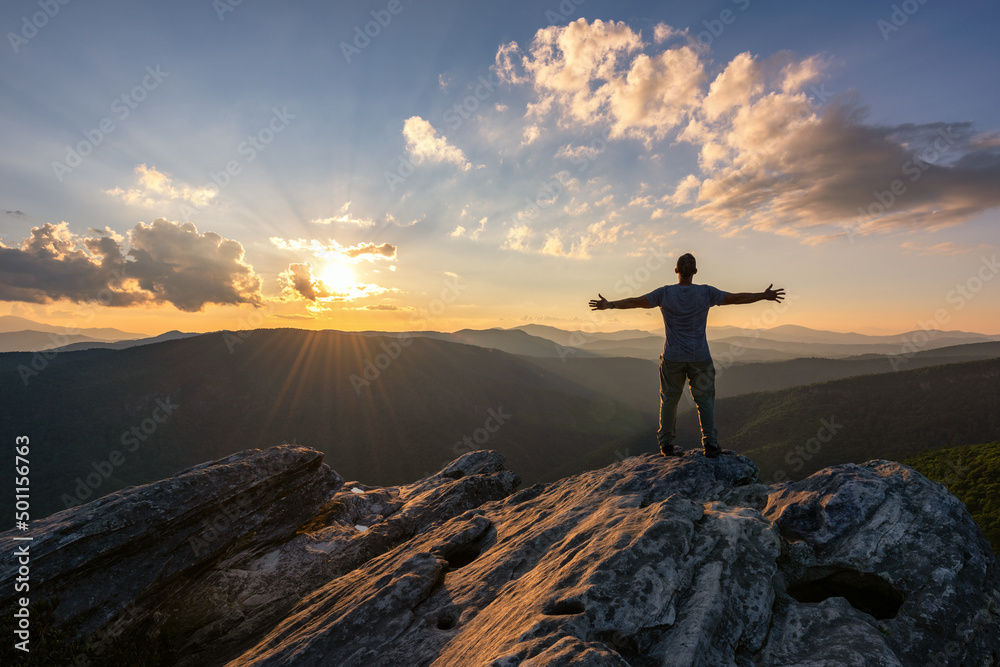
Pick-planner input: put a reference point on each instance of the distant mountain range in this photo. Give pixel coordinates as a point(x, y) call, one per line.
point(778, 344)
point(728, 343)
point(21, 334)
point(122, 344)
point(577, 337)
point(34, 341)
point(9, 323)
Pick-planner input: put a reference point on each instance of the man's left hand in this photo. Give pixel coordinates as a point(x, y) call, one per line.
point(600, 303)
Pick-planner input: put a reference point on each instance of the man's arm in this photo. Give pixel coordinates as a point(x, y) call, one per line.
point(753, 297)
point(634, 302)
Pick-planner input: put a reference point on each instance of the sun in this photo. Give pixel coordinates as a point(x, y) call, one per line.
point(338, 277)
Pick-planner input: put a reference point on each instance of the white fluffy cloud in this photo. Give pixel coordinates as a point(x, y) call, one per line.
point(567, 242)
point(154, 188)
point(518, 238)
point(425, 145)
point(333, 250)
point(777, 152)
point(345, 218)
point(597, 74)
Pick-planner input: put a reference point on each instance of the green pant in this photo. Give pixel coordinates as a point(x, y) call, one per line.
point(701, 376)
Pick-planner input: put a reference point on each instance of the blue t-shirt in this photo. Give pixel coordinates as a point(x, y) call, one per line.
point(685, 312)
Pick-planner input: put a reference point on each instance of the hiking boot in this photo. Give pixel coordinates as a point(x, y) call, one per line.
point(671, 450)
point(712, 451)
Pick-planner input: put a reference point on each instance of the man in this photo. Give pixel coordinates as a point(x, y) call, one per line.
point(685, 352)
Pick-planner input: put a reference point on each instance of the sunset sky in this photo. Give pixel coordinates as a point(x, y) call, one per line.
point(401, 165)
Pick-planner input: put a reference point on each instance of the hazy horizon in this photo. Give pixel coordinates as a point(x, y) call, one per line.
point(569, 329)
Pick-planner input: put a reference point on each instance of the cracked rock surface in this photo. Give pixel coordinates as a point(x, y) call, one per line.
point(681, 561)
point(650, 561)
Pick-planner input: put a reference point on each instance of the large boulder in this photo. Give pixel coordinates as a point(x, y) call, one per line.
point(220, 552)
point(270, 558)
point(116, 559)
point(229, 607)
point(903, 551)
point(680, 561)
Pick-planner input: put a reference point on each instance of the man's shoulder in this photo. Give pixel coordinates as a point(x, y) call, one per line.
point(657, 294)
point(696, 287)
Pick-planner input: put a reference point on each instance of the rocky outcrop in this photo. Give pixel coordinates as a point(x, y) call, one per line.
point(220, 552)
point(244, 595)
point(117, 559)
point(900, 550)
point(651, 561)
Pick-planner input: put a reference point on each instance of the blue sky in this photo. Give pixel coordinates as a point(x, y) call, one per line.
point(555, 177)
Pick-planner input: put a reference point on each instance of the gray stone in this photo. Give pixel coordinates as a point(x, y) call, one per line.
point(901, 546)
point(680, 561)
point(229, 608)
point(130, 550)
point(650, 561)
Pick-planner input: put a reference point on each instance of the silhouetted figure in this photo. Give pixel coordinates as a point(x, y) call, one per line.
point(685, 352)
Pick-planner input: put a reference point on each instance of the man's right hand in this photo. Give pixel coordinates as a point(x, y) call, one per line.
point(774, 294)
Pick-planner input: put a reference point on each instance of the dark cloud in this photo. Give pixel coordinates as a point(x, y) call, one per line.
point(167, 262)
point(382, 306)
point(15, 214)
point(177, 264)
point(298, 279)
point(839, 171)
point(386, 250)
